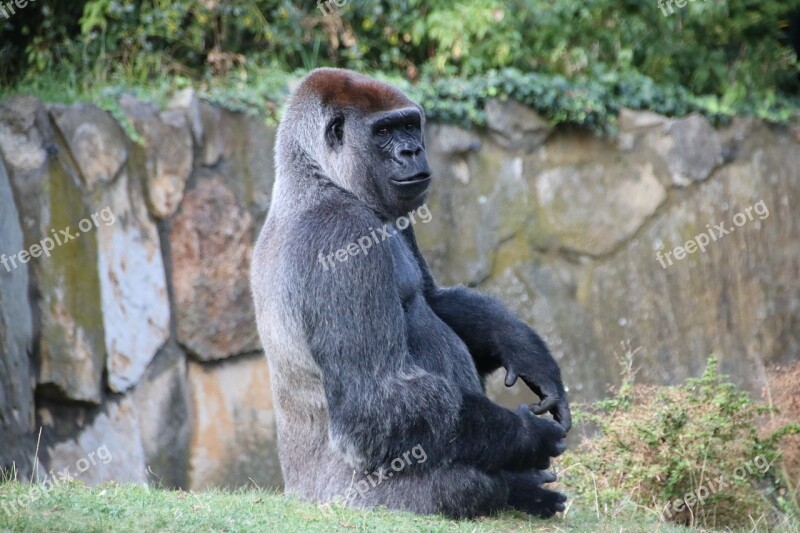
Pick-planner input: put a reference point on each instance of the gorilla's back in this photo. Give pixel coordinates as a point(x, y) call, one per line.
point(311, 468)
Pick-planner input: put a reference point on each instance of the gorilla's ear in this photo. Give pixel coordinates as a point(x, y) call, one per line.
point(334, 133)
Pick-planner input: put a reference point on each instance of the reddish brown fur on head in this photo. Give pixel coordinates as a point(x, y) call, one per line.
point(346, 89)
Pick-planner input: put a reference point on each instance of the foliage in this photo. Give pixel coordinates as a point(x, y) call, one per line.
point(575, 60)
point(592, 102)
point(659, 444)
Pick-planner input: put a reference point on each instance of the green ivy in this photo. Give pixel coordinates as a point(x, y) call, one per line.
point(592, 102)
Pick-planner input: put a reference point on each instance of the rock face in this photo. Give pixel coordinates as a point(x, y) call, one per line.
point(593, 209)
point(107, 449)
point(133, 285)
point(164, 413)
point(736, 298)
point(134, 335)
point(91, 207)
point(21, 140)
point(16, 335)
point(168, 153)
point(71, 352)
point(690, 147)
point(568, 236)
point(233, 439)
point(515, 126)
point(96, 141)
point(212, 243)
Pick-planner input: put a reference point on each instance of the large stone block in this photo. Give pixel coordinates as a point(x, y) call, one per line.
point(71, 353)
point(448, 140)
point(233, 436)
point(211, 241)
point(96, 141)
point(105, 443)
point(591, 209)
point(133, 285)
point(168, 152)
point(16, 334)
point(690, 147)
point(187, 102)
point(515, 126)
point(163, 409)
point(23, 145)
point(247, 164)
point(478, 201)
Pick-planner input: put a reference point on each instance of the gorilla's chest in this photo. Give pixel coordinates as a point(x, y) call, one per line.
point(432, 344)
point(408, 276)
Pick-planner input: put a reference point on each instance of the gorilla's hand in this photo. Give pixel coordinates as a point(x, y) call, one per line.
point(526, 356)
point(547, 438)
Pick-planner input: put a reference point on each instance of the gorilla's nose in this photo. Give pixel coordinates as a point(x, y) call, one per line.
point(410, 152)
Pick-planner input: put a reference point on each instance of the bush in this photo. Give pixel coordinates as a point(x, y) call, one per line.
point(592, 102)
point(731, 49)
point(573, 61)
point(666, 448)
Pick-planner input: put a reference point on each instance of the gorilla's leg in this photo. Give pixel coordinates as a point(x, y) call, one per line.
point(455, 491)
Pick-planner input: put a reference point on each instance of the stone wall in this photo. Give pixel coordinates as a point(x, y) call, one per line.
point(138, 335)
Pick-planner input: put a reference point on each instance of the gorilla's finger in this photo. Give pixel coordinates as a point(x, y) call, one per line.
point(548, 477)
point(562, 415)
point(560, 507)
point(560, 447)
point(544, 406)
point(511, 377)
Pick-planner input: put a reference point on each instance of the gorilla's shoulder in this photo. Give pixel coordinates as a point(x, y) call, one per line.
point(336, 221)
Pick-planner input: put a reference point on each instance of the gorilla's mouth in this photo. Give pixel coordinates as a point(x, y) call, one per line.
point(415, 180)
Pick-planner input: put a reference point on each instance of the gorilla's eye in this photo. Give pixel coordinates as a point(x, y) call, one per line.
point(410, 126)
point(383, 132)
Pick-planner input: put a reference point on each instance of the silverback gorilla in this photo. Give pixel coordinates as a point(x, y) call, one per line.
point(370, 359)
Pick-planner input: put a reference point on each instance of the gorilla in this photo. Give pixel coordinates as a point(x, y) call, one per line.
point(378, 372)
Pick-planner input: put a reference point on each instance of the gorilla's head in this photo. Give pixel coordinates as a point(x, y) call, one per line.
point(365, 135)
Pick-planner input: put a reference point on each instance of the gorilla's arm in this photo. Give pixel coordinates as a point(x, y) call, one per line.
point(380, 403)
point(495, 337)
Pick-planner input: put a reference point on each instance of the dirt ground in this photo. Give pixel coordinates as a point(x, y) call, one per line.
point(784, 392)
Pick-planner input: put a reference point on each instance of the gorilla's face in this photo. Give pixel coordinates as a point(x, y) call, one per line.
point(387, 154)
point(404, 173)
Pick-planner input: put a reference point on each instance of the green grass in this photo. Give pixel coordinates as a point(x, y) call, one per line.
point(73, 507)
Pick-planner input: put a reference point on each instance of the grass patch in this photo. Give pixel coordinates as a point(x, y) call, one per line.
point(73, 507)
